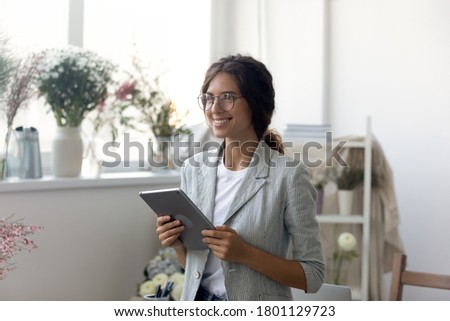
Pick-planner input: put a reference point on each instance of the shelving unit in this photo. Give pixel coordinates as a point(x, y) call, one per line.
point(360, 218)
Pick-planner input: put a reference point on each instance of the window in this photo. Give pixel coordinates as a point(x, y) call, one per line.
point(30, 27)
point(172, 37)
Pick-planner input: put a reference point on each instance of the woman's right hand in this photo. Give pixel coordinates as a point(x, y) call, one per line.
point(169, 231)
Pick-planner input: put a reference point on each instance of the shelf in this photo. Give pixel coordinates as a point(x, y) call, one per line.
point(354, 144)
point(145, 178)
point(340, 219)
point(362, 219)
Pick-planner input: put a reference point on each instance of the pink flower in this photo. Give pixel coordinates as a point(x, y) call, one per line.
point(101, 106)
point(14, 237)
point(33, 228)
point(126, 90)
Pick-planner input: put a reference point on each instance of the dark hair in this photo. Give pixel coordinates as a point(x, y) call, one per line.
point(255, 83)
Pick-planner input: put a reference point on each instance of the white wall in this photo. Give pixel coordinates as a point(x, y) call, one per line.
point(387, 59)
point(288, 36)
point(390, 59)
point(293, 49)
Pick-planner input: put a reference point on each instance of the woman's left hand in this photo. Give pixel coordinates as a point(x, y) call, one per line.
point(225, 243)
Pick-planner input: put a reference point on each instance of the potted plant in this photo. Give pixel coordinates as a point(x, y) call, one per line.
point(347, 180)
point(165, 126)
point(158, 113)
point(107, 121)
point(6, 71)
point(16, 90)
point(73, 82)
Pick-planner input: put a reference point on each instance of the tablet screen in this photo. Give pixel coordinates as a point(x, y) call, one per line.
point(178, 205)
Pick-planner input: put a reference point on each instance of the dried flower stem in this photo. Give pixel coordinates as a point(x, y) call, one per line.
point(19, 92)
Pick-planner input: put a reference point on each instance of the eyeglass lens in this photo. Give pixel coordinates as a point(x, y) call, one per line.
point(226, 101)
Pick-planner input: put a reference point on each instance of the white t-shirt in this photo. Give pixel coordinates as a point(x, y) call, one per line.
point(228, 183)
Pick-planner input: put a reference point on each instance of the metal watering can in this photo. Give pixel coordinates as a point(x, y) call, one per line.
point(29, 160)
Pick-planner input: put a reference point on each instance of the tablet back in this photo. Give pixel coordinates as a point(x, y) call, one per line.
point(176, 203)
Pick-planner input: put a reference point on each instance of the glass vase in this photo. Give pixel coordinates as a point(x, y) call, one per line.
point(92, 163)
point(319, 201)
point(161, 153)
point(2, 169)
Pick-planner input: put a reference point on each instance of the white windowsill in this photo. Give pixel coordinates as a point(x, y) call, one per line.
point(104, 180)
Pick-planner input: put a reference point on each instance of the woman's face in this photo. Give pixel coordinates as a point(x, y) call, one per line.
point(235, 124)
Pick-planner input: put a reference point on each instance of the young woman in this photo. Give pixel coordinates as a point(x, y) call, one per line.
point(261, 203)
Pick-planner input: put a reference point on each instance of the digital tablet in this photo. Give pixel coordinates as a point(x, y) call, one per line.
point(178, 205)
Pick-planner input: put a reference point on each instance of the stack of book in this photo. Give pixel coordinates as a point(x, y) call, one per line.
point(302, 131)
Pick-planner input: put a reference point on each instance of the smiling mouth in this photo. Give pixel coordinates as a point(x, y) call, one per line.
point(221, 121)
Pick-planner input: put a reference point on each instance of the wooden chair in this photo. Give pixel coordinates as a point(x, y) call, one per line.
point(400, 277)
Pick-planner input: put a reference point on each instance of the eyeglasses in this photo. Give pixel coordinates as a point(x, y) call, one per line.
point(226, 101)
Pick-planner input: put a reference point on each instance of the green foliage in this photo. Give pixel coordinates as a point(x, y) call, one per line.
point(156, 110)
point(165, 121)
point(7, 67)
point(349, 178)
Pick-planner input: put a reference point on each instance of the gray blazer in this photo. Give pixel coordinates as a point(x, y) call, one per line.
point(273, 207)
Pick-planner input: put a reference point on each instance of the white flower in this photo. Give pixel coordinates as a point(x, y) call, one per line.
point(82, 76)
point(148, 287)
point(176, 291)
point(165, 262)
point(161, 270)
point(347, 241)
point(177, 278)
point(160, 279)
